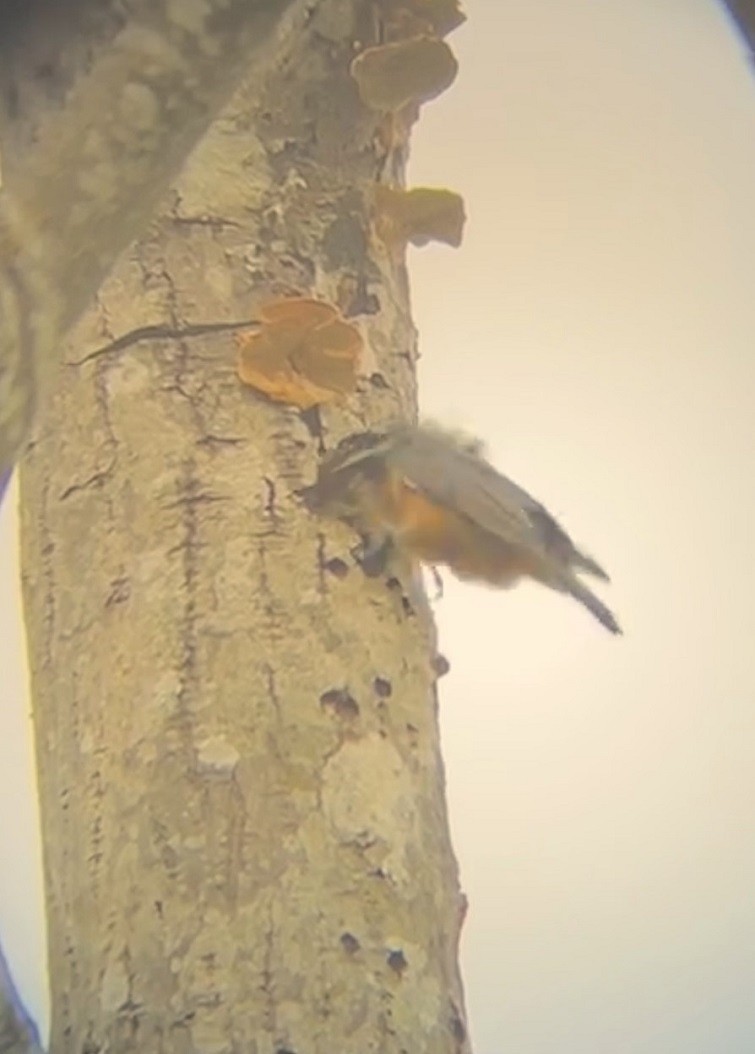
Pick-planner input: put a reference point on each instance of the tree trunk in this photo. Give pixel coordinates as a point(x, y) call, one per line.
point(18, 1034)
point(743, 15)
point(100, 102)
point(245, 836)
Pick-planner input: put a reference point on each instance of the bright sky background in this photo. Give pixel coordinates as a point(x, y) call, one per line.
point(597, 328)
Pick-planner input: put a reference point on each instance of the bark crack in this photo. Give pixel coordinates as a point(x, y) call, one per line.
point(163, 331)
point(188, 502)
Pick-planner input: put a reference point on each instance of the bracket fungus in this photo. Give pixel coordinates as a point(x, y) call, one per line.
point(434, 17)
point(304, 353)
point(419, 216)
point(390, 76)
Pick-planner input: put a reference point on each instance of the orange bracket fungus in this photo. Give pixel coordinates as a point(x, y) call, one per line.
point(392, 75)
point(419, 216)
point(304, 353)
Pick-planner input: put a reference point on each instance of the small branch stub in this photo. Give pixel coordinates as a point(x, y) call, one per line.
point(407, 71)
point(304, 354)
point(419, 216)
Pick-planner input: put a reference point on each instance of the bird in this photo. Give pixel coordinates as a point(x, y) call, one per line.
point(430, 493)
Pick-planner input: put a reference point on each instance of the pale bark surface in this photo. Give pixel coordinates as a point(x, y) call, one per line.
point(100, 103)
point(246, 841)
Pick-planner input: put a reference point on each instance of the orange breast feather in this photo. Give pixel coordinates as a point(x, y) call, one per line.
point(434, 534)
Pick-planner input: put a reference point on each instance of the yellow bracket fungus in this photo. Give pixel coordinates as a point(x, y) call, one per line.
point(419, 216)
point(392, 75)
point(432, 17)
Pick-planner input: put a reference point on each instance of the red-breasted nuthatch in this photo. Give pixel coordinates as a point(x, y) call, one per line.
point(433, 495)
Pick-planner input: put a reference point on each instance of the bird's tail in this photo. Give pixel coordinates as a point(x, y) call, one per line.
point(585, 563)
point(595, 606)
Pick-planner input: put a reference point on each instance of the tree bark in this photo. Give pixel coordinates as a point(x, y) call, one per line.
point(100, 103)
point(245, 834)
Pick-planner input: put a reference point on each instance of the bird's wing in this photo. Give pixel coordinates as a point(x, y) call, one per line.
point(464, 482)
point(460, 478)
